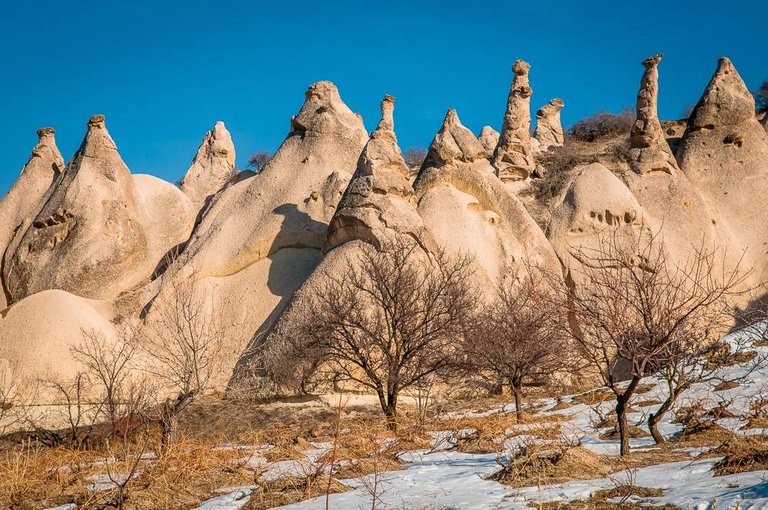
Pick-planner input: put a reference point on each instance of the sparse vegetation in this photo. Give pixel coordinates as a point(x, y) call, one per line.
point(258, 160)
point(603, 125)
point(761, 96)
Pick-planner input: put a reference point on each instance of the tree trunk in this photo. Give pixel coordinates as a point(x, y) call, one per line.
point(621, 415)
point(391, 411)
point(518, 402)
point(655, 418)
point(169, 417)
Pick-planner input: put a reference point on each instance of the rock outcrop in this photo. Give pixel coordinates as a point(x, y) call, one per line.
point(212, 166)
point(27, 195)
point(470, 211)
point(489, 137)
point(649, 149)
point(379, 204)
point(260, 237)
point(88, 239)
point(549, 130)
point(724, 153)
point(513, 157)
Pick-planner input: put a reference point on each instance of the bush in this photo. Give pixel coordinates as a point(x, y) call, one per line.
point(603, 125)
point(414, 157)
point(761, 96)
point(258, 161)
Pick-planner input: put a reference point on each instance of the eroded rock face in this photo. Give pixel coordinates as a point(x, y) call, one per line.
point(27, 195)
point(513, 157)
point(211, 167)
point(549, 130)
point(489, 137)
point(724, 153)
point(379, 202)
point(88, 238)
point(468, 210)
point(649, 149)
point(595, 208)
point(453, 142)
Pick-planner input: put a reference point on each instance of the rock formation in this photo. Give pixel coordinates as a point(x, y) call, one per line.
point(489, 137)
point(549, 130)
point(724, 153)
point(468, 210)
point(88, 238)
point(211, 167)
point(260, 237)
point(26, 197)
point(513, 157)
point(649, 150)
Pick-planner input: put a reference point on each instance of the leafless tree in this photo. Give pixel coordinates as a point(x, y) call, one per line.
point(516, 337)
point(186, 342)
point(414, 157)
point(761, 95)
point(258, 161)
point(16, 395)
point(109, 364)
point(392, 319)
point(635, 311)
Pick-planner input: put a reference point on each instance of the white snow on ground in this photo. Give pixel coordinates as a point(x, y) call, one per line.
point(235, 498)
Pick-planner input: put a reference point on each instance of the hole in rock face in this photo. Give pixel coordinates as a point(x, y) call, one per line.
point(600, 217)
point(592, 214)
point(608, 217)
point(629, 216)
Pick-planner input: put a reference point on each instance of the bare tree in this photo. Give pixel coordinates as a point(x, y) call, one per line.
point(187, 343)
point(636, 311)
point(16, 395)
point(517, 337)
point(761, 95)
point(391, 320)
point(258, 161)
point(108, 363)
point(414, 157)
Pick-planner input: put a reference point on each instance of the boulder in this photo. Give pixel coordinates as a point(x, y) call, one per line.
point(513, 157)
point(211, 167)
point(649, 150)
point(549, 130)
point(27, 195)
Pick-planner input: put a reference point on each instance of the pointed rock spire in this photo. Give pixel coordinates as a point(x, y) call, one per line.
point(549, 130)
point(513, 158)
point(211, 167)
point(726, 100)
point(379, 201)
point(27, 195)
point(649, 149)
point(87, 239)
point(489, 138)
point(453, 143)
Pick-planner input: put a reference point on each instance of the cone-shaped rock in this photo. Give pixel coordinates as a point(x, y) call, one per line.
point(212, 166)
point(468, 210)
point(649, 149)
point(549, 130)
point(724, 153)
point(88, 238)
point(489, 137)
point(379, 202)
point(453, 143)
point(260, 237)
point(26, 197)
point(513, 158)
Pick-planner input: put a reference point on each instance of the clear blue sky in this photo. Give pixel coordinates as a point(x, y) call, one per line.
point(164, 71)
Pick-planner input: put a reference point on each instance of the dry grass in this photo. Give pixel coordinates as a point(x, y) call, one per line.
point(634, 432)
point(726, 385)
point(648, 403)
point(741, 454)
point(593, 397)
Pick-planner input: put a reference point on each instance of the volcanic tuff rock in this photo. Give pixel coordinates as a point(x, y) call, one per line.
point(649, 150)
point(88, 239)
point(469, 210)
point(549, 131)
point(212, 166)
point(26, 197)
point(513, 157)
point(724, 153)
point(260, 237)
point(379, 202)
point(453, 142)
point(489, 137)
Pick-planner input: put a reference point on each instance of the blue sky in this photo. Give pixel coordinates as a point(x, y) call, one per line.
point(164, 71)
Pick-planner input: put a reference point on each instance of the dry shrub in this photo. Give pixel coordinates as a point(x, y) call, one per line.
point(763, 342)
point(559, 461)
point(723, 356)
point(741, 454)
point(648, 403)
point(288, 490)
point(593, 397)
point(603, 125)
point(699, 427)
